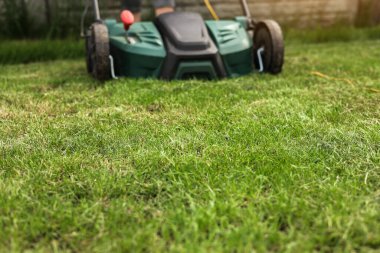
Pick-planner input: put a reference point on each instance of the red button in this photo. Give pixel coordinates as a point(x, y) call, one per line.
point(127, 18)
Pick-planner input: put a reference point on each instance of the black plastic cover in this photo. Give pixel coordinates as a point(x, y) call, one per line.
point(187, 39)
point(185, 30)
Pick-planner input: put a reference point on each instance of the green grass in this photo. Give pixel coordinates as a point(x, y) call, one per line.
point(337, 33)
point(287, 163)
point(27, 51)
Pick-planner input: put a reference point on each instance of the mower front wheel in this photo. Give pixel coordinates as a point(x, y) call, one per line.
point(98, 52)
point(268, 47)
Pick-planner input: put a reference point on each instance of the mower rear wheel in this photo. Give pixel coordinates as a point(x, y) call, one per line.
point(89, 48)
point(98, 52)
point(268, 36)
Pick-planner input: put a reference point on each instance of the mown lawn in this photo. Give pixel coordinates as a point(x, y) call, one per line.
point(287, 163)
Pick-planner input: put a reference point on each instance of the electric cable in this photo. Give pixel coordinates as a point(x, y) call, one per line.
point(211, 9)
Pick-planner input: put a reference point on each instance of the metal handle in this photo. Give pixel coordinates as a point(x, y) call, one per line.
point(247, 13)
point(96, 10)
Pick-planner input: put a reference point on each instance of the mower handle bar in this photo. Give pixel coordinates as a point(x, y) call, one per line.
point(96, 10)
point(246, 9)
point(243, 3)
point(247, 13)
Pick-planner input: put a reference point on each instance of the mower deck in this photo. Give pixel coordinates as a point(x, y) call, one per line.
point(211, 49)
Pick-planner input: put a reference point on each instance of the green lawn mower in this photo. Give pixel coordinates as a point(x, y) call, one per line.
point(181, 45)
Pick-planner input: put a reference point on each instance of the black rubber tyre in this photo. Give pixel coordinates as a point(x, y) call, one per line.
point(268, 34)
point(89, 49)
point(98, 48)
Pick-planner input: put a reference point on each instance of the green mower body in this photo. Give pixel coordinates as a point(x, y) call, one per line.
point(140, 51)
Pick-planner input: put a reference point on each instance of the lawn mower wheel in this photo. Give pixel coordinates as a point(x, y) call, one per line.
point(268, 35)
point(98, 51)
